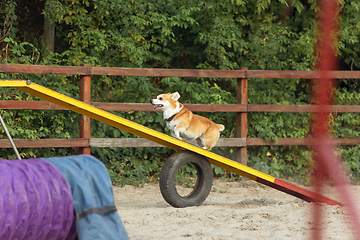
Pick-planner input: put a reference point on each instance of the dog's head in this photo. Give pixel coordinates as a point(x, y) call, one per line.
point(166, 100)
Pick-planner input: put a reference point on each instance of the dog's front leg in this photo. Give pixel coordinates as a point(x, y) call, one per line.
point(172, 133)
point(178, 129)
point(177, 135)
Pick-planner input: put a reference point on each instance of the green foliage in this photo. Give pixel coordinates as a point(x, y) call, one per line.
point(8, 18)
point(262, 34)
point(133, 166)
point(349, 32)
point(18, 52)
point(346, 125)
point(186, 176)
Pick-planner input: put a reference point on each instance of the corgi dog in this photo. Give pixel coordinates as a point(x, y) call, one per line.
point(183, 124)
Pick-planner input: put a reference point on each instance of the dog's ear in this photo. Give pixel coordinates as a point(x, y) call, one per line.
point(175, 96)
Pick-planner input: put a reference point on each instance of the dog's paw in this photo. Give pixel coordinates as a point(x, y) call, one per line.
point(177, 137)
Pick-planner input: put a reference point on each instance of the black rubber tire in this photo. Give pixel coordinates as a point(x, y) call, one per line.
point(168, 176)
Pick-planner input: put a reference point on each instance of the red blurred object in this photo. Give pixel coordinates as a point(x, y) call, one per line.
point(327, 164)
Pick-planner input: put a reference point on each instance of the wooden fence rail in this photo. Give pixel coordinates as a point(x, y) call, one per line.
point(84, 142)
point(87, 70)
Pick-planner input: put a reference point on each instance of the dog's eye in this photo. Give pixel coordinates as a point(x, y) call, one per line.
point(160, 98)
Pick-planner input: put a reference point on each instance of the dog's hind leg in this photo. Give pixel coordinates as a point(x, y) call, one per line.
point(200, 142)
point(211, 138)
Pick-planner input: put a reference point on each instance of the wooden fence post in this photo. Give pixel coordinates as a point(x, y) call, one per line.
point(241, 118)
point(85, 96)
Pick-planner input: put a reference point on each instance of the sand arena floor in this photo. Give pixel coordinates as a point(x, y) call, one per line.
point(233, 210)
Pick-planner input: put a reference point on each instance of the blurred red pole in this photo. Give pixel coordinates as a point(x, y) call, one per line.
point(326, 162)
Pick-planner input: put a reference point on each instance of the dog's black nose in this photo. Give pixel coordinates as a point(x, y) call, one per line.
point(151, 101)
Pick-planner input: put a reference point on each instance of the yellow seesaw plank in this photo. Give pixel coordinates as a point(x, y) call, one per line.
point(163, 139)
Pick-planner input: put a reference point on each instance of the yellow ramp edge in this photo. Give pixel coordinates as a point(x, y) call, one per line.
point(132, 127)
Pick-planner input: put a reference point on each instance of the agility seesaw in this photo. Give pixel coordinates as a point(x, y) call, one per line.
point(187, 152)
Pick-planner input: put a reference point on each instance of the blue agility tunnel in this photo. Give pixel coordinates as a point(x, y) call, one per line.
point(57, 198)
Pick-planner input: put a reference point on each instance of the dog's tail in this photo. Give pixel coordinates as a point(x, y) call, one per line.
point(220, 127)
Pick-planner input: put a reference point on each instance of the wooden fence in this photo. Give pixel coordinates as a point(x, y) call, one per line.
point(84, 142)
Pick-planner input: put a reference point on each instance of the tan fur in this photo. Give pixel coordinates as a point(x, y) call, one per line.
point(185, 124)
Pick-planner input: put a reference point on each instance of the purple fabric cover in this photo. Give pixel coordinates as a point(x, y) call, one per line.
point(59, 190)
point(21, 206)
point(7, 209)
point(35, 201)
point(4, 184)
point(32, 195)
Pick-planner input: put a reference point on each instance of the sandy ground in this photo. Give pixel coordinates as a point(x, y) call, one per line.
point(233, 210)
